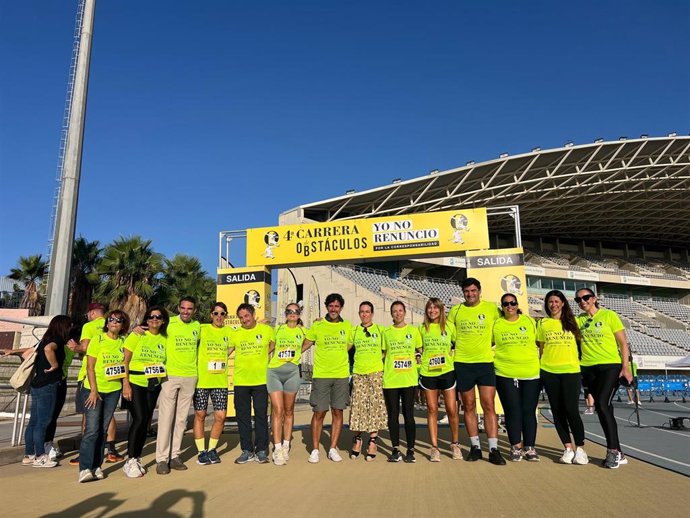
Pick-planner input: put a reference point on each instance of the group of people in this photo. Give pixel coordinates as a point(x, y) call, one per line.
point(473, 352)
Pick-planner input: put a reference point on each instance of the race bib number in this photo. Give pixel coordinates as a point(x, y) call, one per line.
point(286, 355)
point(154, 370)
point(402, 364)
point(437, 362)
point(114, 372)
point(216, 366)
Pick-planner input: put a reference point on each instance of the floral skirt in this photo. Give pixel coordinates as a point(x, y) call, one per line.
point(368, 409)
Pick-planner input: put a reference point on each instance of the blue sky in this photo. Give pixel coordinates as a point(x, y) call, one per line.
point(219, 115)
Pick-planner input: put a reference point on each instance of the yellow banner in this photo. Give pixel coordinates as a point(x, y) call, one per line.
point(352, 240)
point(250, 285)
point(500, 271)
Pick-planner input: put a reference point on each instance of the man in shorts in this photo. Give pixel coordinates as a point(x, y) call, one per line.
point(330, 383)
point(474, 366)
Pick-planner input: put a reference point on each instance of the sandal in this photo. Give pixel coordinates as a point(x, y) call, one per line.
point(371, 456)
point(353, 453)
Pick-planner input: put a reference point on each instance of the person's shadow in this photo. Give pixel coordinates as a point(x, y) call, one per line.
point(104, 501)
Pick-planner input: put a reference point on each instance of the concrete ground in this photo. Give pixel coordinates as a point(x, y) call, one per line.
point(353, 488)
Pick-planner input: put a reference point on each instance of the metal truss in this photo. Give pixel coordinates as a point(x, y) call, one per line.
point(629, 190)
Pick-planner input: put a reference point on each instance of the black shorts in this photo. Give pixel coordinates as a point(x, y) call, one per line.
point(469, 375)
point(443, 382)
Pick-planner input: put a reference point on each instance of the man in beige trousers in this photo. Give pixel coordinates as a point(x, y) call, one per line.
point(177, 390)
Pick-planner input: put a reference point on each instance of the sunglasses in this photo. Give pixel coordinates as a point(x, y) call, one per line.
point(292, 311)
point(115, 320)
point(507, 303)
point(589, 321)
point(584, 297)
point(219, 313)
point(155, 317)
point(366, 332)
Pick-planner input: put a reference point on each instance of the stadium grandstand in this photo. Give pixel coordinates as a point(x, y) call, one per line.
point(612, 216)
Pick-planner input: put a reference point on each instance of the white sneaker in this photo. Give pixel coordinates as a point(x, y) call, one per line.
point(314, 456)
point(131, 468)
point(85, 475)
point(581, 457)
point(334, 455)
point(278, 458)
point(98, 473)
point(443, 420)
point(44, 462)
point(622, 459)
point(54, 453)
point(141, 467)
point(568, 456)
point(28, 460)
point(286, 453)
point(589, 410)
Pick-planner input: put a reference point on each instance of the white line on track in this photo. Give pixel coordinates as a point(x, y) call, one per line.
point(681, 406)
point(628, 447)
point(655, 412)
point(652, 427)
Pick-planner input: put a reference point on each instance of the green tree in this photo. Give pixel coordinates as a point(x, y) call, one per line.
point(183, 275)
point(31, 272)
point(129, 271)
point(84, 278)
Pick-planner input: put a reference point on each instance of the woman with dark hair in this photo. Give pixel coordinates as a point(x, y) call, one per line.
point(438, 375)
point(558, 337)
point(401, 341)
point(516, 362)
point(368, 409)
point(284, 381)
point(605, 359)
point(212, 382)
point(144, 358)
point(105, 369)
point(50, 356)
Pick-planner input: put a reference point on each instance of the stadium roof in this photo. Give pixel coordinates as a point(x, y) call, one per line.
point(635, 190)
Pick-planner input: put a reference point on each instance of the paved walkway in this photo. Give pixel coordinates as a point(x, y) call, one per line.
point(353, 488)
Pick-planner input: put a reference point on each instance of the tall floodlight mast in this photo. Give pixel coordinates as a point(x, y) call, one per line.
point(69, 163)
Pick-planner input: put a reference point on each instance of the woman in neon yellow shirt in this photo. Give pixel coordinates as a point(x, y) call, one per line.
point(368, 410)
point(145, 370)
point(516, 360)
point(105, 369)
point(605, 359)
point(558, 337)
point(437, 374)
point(283, 380)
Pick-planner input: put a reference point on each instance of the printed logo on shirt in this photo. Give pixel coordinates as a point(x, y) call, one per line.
point(523, 330)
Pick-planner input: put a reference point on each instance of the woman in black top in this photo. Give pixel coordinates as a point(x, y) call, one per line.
point(50, 355)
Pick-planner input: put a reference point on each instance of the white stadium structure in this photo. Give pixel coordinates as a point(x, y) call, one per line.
point(611, 215)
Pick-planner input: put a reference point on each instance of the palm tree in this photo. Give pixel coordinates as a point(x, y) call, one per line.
point(83, 277)
point(183, 275)
point(129, 270)
point(30, 272)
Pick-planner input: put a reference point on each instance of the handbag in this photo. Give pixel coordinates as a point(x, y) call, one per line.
point(21, 379)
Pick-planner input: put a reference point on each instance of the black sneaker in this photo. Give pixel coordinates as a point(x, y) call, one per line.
point(409, 457)
point(395, 456)
point(213, 456)
point(496, 458)
point(475, 454)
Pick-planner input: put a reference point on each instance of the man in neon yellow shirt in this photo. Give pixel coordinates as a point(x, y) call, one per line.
point(252, 343)
point(330, 387)
point(96, 321)
point(474, 366)
point(177, 390)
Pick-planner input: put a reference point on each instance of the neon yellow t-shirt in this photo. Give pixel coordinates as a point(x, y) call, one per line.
point(88, 331)
point(214, 343)
point(599, 344)
point(181, 347)
point(559, 355)
point(110, 362)
point(474, 329)
point(330, 342)
point(148, 356)
point(400, 364)
point(516, 354)
point(288, 345)
point(436, 357)
point(251, 354)
point(69, 356)
point(368, 349)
